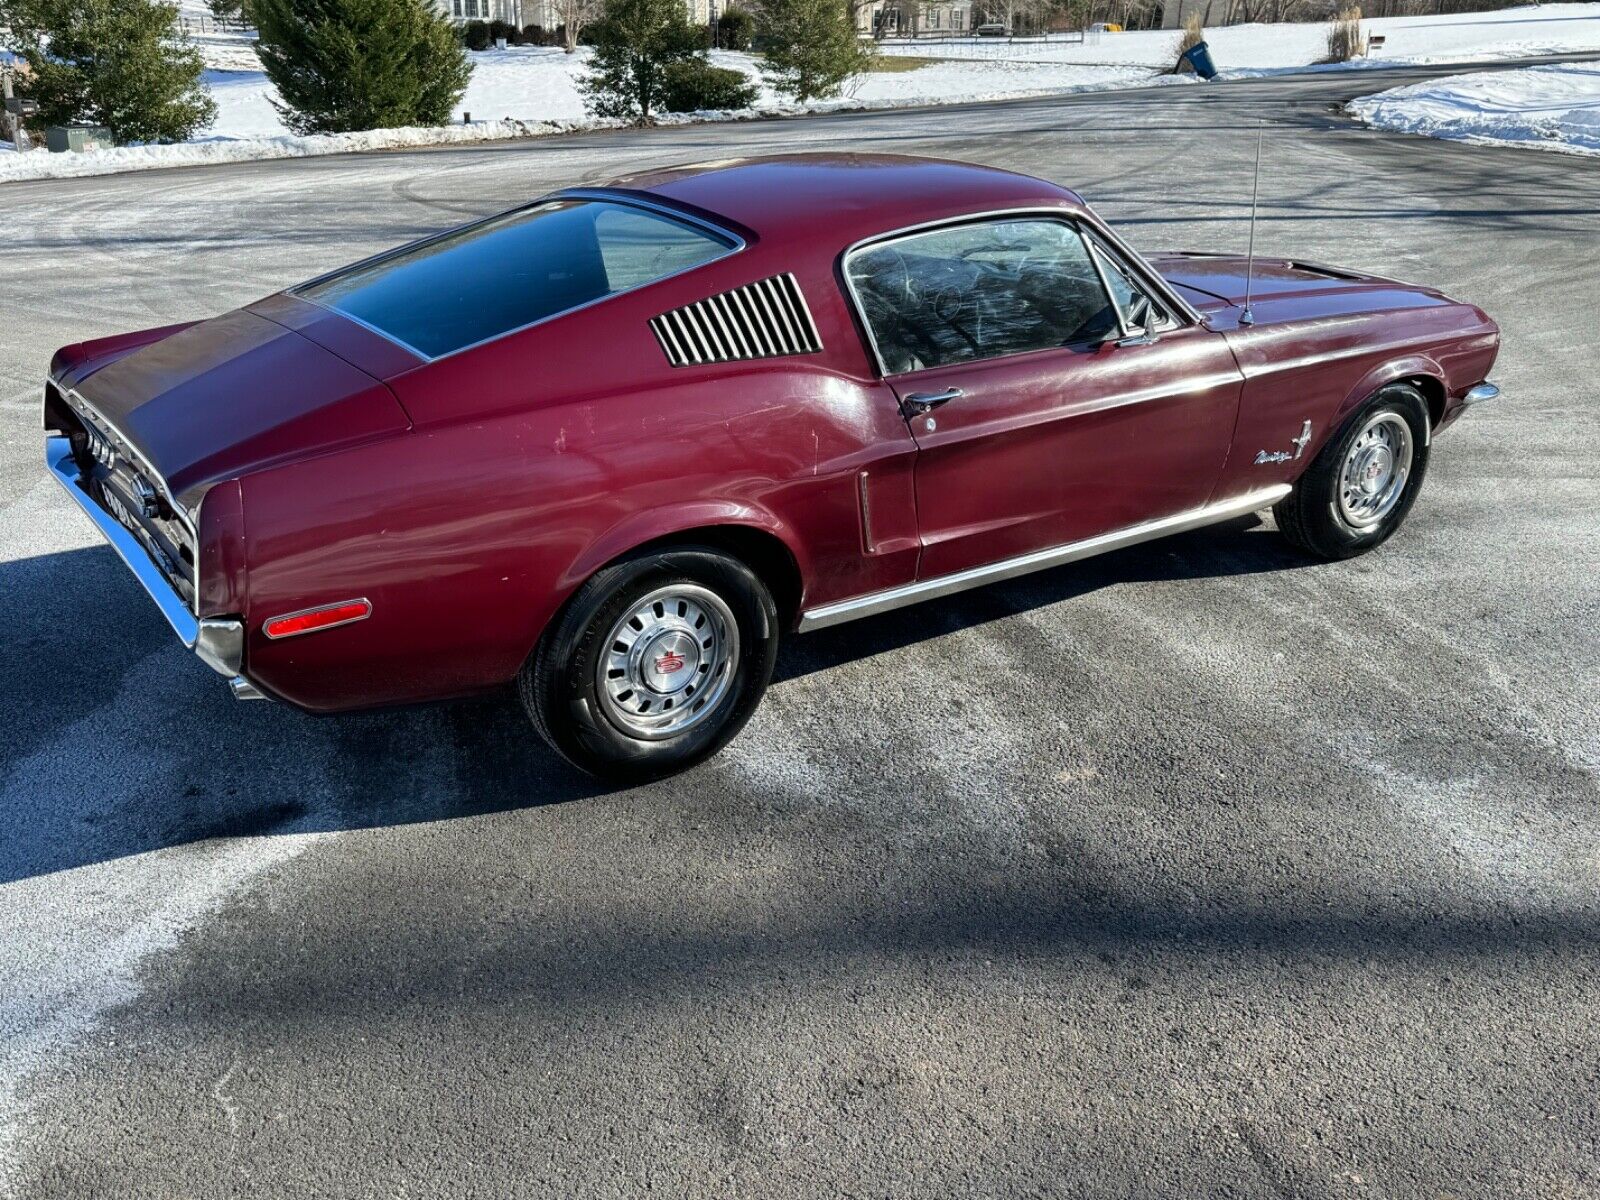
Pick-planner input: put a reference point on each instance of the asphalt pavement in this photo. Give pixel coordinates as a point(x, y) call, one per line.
point(1198, 869)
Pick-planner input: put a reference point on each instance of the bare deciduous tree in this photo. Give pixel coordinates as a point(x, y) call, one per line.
point(575, 16)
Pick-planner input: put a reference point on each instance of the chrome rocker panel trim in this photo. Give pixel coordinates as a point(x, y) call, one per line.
point(218, 641)
point(1010, 568)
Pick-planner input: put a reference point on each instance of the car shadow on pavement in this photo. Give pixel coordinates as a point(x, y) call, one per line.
point(118, 743)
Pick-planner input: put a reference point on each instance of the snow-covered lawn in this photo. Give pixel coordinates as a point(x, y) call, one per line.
point(1248, 50)
point(527, 83)
point(1553, 108)
point(525, 91)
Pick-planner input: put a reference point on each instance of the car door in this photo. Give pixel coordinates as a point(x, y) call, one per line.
point(1040, 414)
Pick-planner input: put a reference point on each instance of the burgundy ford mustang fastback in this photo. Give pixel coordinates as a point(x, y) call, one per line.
point(610, 444)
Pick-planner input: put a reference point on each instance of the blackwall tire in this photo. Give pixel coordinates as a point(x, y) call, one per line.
point(654, 664)
point(1362, 484)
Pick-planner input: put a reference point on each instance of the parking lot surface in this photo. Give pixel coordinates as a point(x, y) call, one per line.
point(1197, 869)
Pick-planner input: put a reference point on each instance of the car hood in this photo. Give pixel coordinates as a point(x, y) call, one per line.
point(1212, 281)
point(233, 394)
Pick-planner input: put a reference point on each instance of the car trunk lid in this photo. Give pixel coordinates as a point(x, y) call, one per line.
point(235, 393)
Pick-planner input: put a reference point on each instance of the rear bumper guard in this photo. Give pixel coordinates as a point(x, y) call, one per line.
point(218, 641)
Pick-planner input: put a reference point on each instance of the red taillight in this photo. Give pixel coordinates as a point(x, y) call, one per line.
point(311, 619)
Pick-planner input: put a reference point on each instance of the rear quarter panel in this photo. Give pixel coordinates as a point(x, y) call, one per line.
point(536, 459)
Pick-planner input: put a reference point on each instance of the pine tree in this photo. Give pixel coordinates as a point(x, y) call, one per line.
point(635, 42)
point(123, 64)
point(812, 47)
point(342, 65)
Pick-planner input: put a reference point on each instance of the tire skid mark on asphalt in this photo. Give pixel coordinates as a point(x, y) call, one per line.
point(1530, 858)
point(1457, 808)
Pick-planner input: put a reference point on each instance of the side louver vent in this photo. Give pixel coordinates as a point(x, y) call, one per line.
point(764, 319)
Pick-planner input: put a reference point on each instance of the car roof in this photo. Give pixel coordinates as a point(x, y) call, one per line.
point(842, 197)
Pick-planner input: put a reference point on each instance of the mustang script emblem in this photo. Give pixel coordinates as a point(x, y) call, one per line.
point(1278, 456)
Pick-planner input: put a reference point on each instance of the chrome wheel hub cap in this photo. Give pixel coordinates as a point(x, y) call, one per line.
point(1375, 471)
point(669, 662)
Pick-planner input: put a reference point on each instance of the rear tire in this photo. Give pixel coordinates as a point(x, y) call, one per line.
point(1362, 484)
point(654, 664)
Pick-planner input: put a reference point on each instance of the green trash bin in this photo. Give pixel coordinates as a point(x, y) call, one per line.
point(61, 138)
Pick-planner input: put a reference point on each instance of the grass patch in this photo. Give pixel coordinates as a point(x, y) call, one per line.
point(899, 64)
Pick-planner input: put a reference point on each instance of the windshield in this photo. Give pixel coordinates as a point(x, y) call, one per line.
point(512, 270)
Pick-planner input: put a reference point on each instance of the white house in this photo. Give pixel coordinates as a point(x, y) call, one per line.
point(914, 18)
point(509, 11)
point(880, 18)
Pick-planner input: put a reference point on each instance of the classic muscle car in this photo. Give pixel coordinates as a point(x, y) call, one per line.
point(611, 444)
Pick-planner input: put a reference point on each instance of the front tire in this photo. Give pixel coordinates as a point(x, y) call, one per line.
point(1364, 481)
point(654, 664)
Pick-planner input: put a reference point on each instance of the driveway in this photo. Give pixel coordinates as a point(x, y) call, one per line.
point(1197, 869)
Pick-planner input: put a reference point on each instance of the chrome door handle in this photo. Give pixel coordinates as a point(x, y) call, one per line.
point(916, 404)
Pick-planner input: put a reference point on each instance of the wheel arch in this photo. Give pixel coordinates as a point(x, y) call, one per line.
point(1418, 370)
point(754, 536)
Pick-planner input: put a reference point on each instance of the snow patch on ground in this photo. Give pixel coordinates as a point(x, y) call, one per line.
point(225, 150)
point(528, 91)
point(1249, 50)
point(1552, 108)
point(249, 127)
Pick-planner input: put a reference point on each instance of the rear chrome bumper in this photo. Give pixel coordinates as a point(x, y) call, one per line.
point(218, 641)
point(1483, 392)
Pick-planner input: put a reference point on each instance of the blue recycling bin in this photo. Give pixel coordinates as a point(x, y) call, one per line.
point(1198, 56)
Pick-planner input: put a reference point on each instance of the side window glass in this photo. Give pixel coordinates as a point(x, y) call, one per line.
point(980, 291)
point(639, 247)
point(1132, 297)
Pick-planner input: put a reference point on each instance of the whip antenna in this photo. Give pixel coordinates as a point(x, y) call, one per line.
point(1247, 317)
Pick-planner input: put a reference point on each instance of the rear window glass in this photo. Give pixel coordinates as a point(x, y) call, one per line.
point(509, 271)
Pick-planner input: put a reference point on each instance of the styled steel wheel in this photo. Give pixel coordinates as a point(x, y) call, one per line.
point(1376, 469)
point(1364, 480)
point(654, 664)
point(668, 662)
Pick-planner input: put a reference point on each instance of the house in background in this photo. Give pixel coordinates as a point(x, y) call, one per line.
point(887, 18)
point(509, 11)
point(879, 18)
point(547, 13)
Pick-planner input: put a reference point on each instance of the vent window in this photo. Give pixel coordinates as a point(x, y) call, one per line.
point(764, 319)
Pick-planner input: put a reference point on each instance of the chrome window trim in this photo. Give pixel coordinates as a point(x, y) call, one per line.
point(190, 520)
point(1105, 283)
point(1100, 256)
point(1079, 222)
point(1155, 282)
point(890, 599)
point(736, 244)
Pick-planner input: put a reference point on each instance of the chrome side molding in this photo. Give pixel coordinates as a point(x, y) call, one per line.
point(1011, 568)
point(1483, 392)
